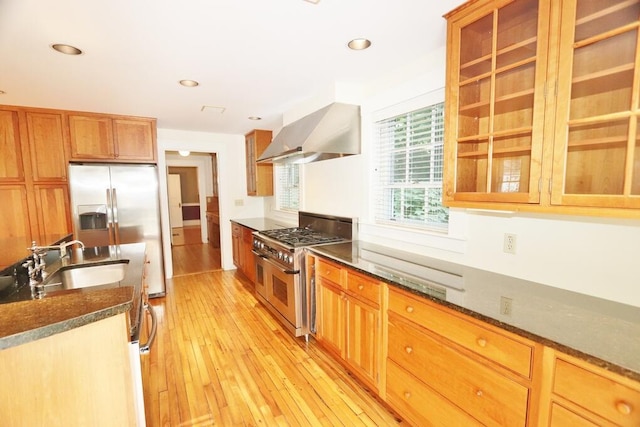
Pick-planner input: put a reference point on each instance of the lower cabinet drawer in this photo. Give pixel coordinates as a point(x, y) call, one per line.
point(512, 354)
point(488, 396)
point(419, 404)
point(598, 394)
point(562, 417)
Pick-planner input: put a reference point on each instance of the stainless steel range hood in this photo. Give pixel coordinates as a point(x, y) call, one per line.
point(333, 131)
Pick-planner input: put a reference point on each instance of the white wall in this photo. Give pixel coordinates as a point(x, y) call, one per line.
point(594, 256)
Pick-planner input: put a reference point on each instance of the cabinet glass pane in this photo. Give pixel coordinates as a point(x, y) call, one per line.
point(603, 76)
point(475, 48)
point(473, 114)
point(595, 17)
point(596, 158)
point(635, 179)
point(514, 98)
point(511, 164)
point(472, 166)
point(517, 30)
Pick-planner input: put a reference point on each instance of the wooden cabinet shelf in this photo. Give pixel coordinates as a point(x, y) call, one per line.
point(565, 72)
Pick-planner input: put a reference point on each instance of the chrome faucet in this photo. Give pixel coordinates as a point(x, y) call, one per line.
point(62, 247)
point(65, 245)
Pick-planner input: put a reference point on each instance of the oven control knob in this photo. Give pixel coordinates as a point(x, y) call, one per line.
point(290, 259)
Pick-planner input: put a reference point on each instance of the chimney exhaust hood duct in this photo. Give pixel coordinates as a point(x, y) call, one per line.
point(333, 131)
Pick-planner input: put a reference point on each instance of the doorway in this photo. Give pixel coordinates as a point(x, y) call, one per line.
point(192, 190)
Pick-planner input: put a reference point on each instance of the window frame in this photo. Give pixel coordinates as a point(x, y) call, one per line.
point(404, 108)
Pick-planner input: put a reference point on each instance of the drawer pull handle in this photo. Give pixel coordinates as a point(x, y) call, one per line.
point(623, 407)
point(481, 342)
point(360, 287)
point(407, 395)
point(409, 309)
point(408, 349)
point(479, 393)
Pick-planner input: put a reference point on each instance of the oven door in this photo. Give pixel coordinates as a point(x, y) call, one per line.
point(280, 290)
point(283, 292)
point(262, 274)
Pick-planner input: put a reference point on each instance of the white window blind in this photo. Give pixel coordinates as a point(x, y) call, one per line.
point(287, 186)
point(409, 158)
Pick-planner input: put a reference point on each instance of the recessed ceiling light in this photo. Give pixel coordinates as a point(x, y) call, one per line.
point(359, 44)
point(184, 153)
point(313, 1)
point(189, 83)
point(2, 92)
point(66, 49)
point(255, 118)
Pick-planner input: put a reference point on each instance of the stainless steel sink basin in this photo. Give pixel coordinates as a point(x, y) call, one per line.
point(86, 275)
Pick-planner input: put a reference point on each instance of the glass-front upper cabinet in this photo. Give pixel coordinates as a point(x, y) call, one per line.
point(597, 135)
point(496, 70)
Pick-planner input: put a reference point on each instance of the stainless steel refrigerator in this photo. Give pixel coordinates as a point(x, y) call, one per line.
point(119, 204)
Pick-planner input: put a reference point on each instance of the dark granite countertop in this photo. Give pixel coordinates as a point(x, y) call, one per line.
point(24, 318)
point(602, 332)
point(261, 224)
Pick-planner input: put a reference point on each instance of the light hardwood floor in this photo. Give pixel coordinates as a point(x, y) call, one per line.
point(190, 255)
point(221, 359)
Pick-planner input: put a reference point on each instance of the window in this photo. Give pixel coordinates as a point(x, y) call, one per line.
point(409, 157)
point(287, 186)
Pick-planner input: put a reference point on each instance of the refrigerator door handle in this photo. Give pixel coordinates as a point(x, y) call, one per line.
point(116, 226)
point(110, 220)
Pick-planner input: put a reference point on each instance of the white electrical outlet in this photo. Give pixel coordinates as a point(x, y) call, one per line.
point(509, 243)
point(505, 306)
point(239, 202)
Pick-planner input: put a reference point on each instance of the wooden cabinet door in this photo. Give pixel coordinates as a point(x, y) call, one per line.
point(91, 137)
point(597, 139)
point(331, 312)
point(259, 176)
point(249, 266)
point(362, 350)
point(11, 166)
point(16, 235)
point(236, 241)
point(134, 139)
point(48, 145)
point(496, 101)
point(54, 213)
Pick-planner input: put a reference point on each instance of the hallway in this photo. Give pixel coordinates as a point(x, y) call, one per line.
point(190, 255)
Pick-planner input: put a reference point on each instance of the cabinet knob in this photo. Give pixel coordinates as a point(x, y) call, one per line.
point(360, 287)
point(479, 393)
point(482, 342)
point(407, 395)
point(408, 349)
point(409, 309)
point(623, 407)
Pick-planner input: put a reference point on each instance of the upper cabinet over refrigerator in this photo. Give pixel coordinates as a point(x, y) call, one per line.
point(119, 204)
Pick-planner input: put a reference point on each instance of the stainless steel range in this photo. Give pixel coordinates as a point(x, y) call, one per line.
point(280, 269)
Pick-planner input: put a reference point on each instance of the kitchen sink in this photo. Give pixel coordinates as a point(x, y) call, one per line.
point(87, 275)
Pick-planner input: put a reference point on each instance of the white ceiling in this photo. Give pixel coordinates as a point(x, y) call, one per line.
point(251, 57)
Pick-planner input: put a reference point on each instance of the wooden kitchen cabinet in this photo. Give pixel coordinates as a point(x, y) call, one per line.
point(484, 373)
point(49, 147)
point(349, 319)
point(33, 180)
point(242, 243)
point(541, 107)
point(78, 377)
point(53, 210)
point(581, 394)
point(11, 165)
point(97, 137)
point(259, 176)
point(16, 235)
